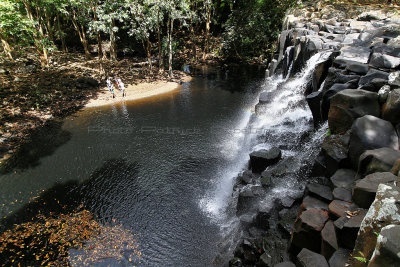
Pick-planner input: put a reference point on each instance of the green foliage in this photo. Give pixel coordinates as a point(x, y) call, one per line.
point(253, 26)
point(362, 258)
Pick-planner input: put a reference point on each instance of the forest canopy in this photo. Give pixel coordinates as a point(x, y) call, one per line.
point(239, 28)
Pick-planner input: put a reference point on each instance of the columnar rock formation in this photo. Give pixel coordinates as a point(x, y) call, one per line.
point(350, 212)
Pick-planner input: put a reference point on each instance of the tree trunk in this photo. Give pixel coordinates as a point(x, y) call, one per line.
point(81, 32)
point(171, 24)
point(194, 52)
point(113, 45)
point(7, 48)
point(49, 26)
point(63, 46)
point(99, 44)
point(208, 22)
point(160, 57)
point(148, 49)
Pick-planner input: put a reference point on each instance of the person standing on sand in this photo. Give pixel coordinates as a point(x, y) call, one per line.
point(120, 85)
point(110, 86)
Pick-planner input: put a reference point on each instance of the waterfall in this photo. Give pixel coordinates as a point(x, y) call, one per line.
point(285, 121)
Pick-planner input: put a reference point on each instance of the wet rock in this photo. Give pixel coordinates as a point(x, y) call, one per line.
point(347, 228)
point(394, 79)
point(335, 149)
point(339, 258)
point(391, 110)
point(321, 192)
point(384, 211)
point(266, 181)
point(387, 250)
point(396, 168)
point(246, 199)
point(375, 85)
point(343, 178)
point(329, 94)
point(287, 217)
point(285, 264)
point(383, 93)
point(357, 67)
point(235, 262)
point(373, 74)
point(357, 54)
point(307, 229)
point(313, 203)
point(379, 60)
point(377, 160)
point(319, 166)
point(369, 132)
point(265, 260)
point(338, 208)
point(247, 220)
point(314, 102)
point(307, 258)
point(264, 213)
point(342, 78)
point(365, 189)
point(261, 159)
point(342, 194)
point(329, 240)
point(348, 105)
point(265, 97)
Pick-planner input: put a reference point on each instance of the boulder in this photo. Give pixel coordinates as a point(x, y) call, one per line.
point(342, 194)
point(327, 96)
point(307, 229)
point(379, 60)
point(321, 192)
point(396, 168)
point(335, 149)
point(357, 67)
point(387, 250)
point(365, 189)
point(348, 105)
point(329, 242)
point(338, 208)
point(287, 217)
point(285, 264)
point(373, 74)
point(320, 73)
point(394, 79)
point(265, 97)
point(264, 213)
point(383, 93)
point(391, 109)
point(374, 86)
point(314, 102)
point(339, 258)
point(313, 203)
point(369, 132)
point(307, 258)
point(377, 160)
point(347, 228)
point(383, 211)
point(261, 159)
point(372, 15)
point(247, 197)
point(343, 178)
point(357, 54)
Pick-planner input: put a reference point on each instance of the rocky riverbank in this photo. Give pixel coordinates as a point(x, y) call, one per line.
point(348, 212)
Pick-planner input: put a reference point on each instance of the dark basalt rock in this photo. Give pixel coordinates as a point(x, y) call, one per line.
point(261, 159)
point(343, 178)
point(374, 85)
point(391, 109)
point(357, 67)
point(342, 194)
point(373, 74)
point(307, 258)
point(314, 102)
point(387, 251)
point(339, 258)
point(335, 149)
point(313, 203)
point(329, 242)
point(379, 60)
point(348, 105)
point(285, 264)
point(322, 192)
point(377, 160)
point(347, 228)
point(307, 229)
point(365, 189)
point(265, 97)
point(338, 208)
point(368, 133)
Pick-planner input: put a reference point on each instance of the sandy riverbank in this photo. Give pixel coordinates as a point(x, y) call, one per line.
point(135, 91)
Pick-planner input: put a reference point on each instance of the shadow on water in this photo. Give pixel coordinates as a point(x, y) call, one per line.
point(68, 197)
point(42, 142)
